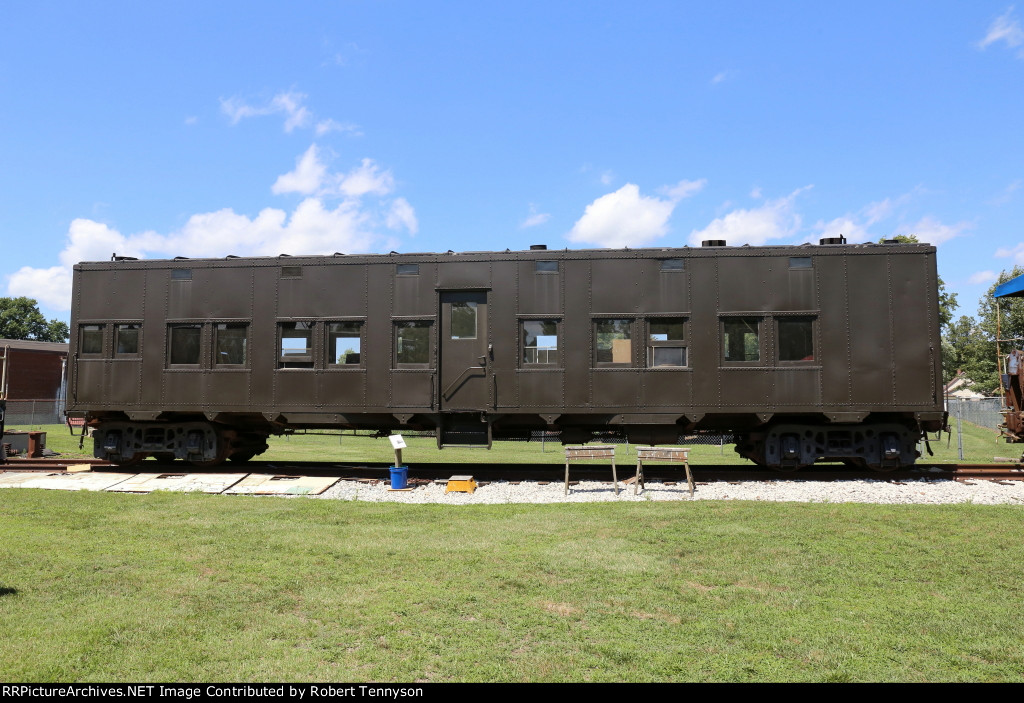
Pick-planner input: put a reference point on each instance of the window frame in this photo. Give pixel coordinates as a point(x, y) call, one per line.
point(304, 359)
point(813, 320)
point(215, 352)
point(396, 325)
point(328, 355)
point(762, 356)
point(652, 344)
point(117, 334)
point(632, 325)
point(101, 328)
point(171, 326)
point(523, 363)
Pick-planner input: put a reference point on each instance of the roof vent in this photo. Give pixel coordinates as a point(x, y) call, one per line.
point(538, 247)
point(713, 243)
point(115, 257)
point(832, 240)
point(890, 241)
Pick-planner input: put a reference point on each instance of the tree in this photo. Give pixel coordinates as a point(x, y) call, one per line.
point(20, 319)
point(982, 368)
point(947, 301)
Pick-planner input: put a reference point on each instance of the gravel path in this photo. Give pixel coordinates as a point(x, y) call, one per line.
point(932, 491)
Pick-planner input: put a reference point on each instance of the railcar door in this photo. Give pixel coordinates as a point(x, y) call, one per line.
point(465, 355)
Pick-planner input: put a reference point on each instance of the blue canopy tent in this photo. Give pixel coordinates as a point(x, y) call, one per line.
point(1013, 288)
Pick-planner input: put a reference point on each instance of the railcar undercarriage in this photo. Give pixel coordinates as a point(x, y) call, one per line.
point(879, 446)
point(882, 445)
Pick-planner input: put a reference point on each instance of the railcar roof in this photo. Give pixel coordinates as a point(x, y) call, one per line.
point(685, 251)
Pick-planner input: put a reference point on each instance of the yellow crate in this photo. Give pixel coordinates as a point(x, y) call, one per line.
point(460, 484)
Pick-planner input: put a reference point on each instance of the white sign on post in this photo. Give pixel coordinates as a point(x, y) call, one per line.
point(396, 441)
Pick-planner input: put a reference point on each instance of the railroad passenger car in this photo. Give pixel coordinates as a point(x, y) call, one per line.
point(810, 352)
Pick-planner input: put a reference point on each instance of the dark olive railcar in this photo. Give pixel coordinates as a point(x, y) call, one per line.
point(805, 352)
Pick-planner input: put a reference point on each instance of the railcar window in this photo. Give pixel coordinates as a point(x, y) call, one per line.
point(741, 338)
point(800, 262)
point(126, 339)
point(796, 339)
point(183, 341)
point(344, 343)
point(613, 342)
point(181, 274)
point(412, 343)
point(671, 264)
point(230, 343)
point(91, 339)
point(291, 272)
point(666, 343)
point(296, 350)
point(540, 342)
point(463, 319)
point(546, 267)
point(407, 269)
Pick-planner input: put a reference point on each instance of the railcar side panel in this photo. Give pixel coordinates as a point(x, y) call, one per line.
point(914, 310)
point(577, 329)
point(871, 342)
point(833, 330)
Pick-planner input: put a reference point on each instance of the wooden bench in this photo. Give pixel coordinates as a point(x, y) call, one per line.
point(669, 454)
point(595, 452)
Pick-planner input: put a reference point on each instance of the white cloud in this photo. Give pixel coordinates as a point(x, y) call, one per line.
point(402, 215)
point(307, 178)
point(535, 218)
point(776, 219)
point(1016, 253)
point(325, 126)
point(845, 226)
point(352, 223)
point(930, 231)
point(51, 287)
point(296, 114)
point(755, 192)
point(289, 104)
point(722, 76)
point(1004, 29)
point(365, 179)
point(623, 218)
point(683, 189)
point(607, 177)
point(983, 277)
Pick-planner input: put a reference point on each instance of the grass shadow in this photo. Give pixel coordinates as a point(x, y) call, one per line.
point(4, 591)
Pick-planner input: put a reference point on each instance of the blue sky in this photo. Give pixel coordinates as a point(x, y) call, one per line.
point(206, 129)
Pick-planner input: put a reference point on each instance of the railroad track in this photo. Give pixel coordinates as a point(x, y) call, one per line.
point(543, 472)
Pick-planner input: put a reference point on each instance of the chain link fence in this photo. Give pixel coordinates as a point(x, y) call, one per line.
point(984, 412)
point(34, 412)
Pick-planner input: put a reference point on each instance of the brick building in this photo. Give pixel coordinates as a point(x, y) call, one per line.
point(35, 381)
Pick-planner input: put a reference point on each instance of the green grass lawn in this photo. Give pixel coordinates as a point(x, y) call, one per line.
point(172, 587)
point(980, 445)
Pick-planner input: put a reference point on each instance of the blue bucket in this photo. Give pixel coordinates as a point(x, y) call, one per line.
point(399, 476)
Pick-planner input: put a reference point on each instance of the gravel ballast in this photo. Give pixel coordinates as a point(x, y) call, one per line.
point(924, 490)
